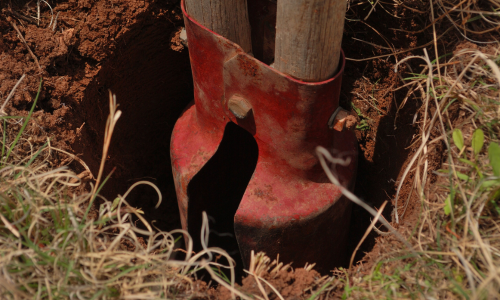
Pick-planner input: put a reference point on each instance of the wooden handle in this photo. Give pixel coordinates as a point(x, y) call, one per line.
point(228, 18)
point(308, 38)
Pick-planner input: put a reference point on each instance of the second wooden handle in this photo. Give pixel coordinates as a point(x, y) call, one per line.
point(308, 38)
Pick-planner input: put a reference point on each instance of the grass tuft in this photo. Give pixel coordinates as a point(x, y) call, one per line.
point(55, 244)
point(455, 245)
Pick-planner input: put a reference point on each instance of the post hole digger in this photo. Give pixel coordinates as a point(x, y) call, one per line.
point(270, 185)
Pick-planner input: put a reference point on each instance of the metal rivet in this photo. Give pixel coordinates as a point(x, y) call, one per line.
point(239, 106)
point(338, 119)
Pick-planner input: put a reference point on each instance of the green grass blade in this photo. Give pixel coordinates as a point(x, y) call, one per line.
point(494, 155)
point(477, 141)
point(458, 139)
point(26, 121)
point(32, 159)
point(96, 193)
point(318, 292)
point(3, 141)
point(222, 275)
point(36, 154)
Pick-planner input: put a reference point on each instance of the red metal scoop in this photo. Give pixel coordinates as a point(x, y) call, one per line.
point(288, 207)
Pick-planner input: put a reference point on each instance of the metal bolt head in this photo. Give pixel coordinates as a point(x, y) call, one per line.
point(239, 106)
point(340, 120)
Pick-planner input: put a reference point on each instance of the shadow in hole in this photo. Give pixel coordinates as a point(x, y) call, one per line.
point(153, 85)
point(377, 179)
point(218, 188)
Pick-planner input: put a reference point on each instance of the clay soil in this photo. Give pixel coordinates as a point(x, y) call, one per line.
point(132, 48)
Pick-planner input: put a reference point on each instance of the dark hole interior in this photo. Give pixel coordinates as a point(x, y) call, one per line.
point(218, 188)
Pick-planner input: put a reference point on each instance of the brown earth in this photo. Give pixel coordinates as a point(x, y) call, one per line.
point(132, 48)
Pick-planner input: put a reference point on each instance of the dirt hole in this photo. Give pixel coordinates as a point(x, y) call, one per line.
point(153, 85)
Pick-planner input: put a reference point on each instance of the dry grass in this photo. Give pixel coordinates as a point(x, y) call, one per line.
point(456, 238)
point(55, 245)
point(51, 249)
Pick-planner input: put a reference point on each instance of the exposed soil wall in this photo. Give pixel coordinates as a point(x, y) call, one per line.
point(122, 46)
point(153, 85)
